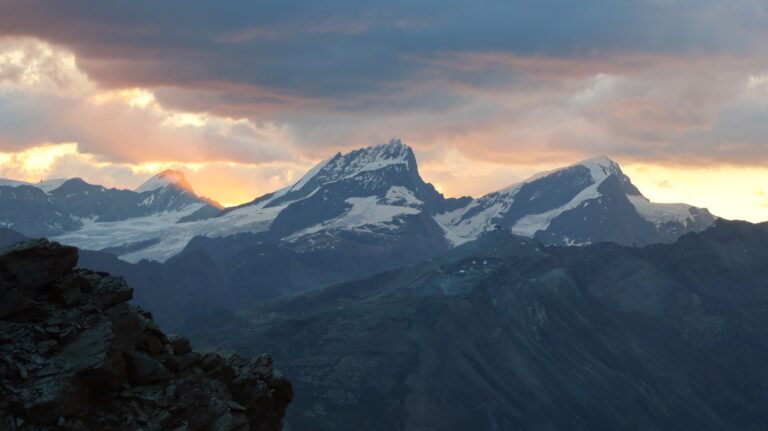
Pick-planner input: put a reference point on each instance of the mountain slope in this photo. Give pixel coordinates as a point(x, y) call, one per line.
point(507, 333)
point(591, 201)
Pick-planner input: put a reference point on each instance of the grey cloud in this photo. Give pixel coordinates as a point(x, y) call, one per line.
point(345, 48)
point(488, 77)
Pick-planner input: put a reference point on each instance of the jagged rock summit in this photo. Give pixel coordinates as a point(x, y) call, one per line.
point(74, 355)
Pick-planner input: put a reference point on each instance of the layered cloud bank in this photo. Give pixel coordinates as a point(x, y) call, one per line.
point(246, 96)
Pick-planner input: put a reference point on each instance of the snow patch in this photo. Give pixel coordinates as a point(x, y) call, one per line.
point(173, 236)
point(600, 168)
point(366, 211)
point(402, 195)
point(95, 235)
point(459, 230)
point(659, 214)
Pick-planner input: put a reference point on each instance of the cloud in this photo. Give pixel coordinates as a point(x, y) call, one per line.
point(318, 69)
point(45, 97)
point(762, 198)
point(504, 87)
point(30, 66)
point(346, 48)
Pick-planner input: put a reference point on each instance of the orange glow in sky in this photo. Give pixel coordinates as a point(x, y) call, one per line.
point(727, 191)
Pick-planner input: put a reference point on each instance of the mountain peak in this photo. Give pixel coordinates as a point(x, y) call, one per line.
point(394, 150)
point(599, 160)
point(600, 167)
point(350, 164)
point(168, 177)
point(394, 143)
point(75, 185)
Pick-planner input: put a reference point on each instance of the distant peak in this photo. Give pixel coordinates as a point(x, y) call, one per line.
point(392, 150)
point(75, 180)
point(171, 173)
point(370, 158)
point(598, 162)
point(350, 164)
point(600, 168)
point(168, 177)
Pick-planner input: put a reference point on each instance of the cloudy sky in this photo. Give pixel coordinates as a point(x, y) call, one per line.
point(244, 96)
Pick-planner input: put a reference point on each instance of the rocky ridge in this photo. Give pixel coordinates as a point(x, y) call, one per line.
point(506, 333)
point(75, 355)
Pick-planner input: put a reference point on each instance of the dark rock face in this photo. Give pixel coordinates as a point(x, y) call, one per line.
point(75, 355)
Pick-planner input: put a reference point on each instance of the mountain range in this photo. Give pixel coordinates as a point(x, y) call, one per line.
point(370, 192)
point(352, 215)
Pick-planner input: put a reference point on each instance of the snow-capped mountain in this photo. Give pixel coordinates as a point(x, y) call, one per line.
point(588, 202)
point(372, 196)
point(370, 187)
point(56, 207)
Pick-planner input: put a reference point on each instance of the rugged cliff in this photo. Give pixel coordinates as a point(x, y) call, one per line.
point(74, 354)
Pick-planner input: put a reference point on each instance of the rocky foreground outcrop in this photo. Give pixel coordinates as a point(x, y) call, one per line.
point(75, 355)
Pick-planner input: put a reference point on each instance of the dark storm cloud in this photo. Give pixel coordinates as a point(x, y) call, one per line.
point(509, 81)
point(342, 49)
